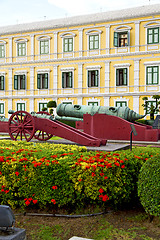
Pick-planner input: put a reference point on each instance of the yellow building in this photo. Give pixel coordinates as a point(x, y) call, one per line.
point(109, 58)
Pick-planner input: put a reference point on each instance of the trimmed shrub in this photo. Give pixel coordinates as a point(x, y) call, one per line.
point(149, 186)
point(51, 104)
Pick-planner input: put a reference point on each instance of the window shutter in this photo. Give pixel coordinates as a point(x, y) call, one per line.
point(117, 77)
point(116, 39)
point(38, 81)
point(128, 38)
point(70, 79)
point(16, 82)
point(62, 79)
point(2, 82)
point(46, 81)
point(23, 82)
point(89, 78)
point(96, 78)
point(125, 76)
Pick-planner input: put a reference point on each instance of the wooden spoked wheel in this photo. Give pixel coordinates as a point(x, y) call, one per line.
point(41, 135)
point(21, 126)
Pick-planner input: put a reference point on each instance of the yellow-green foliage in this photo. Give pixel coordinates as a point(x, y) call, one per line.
point(45, 175)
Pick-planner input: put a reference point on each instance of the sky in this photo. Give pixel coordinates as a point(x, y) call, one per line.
point(23, 11)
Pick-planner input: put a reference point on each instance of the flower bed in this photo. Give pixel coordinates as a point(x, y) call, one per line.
point(48, 175)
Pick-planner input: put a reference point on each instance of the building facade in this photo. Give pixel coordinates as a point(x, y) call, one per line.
point(104, 59)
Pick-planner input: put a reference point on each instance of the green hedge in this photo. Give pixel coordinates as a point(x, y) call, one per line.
point(46, 175)
point(149, 186)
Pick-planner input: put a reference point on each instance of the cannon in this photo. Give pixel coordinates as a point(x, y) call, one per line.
point(42, 126)
point(76, 112)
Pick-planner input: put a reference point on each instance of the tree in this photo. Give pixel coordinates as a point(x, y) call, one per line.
point(150, 108)
point(51, 105)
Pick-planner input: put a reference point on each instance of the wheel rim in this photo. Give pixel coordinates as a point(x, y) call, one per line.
point(21, 126)
point(41, 135)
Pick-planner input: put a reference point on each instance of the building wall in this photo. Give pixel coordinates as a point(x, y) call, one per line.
point(104, 60)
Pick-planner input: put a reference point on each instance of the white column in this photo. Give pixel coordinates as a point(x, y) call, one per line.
point(106, 101)
point(137, 36)
point(31, 105)
point(79, 100)
point(136, 75)
point(55, 78)
point(32, 47)
point(107, 76)
point(136, 104)
point(10, 49)
point(55, 44)
point(80, 77)
point(80, 42)
point(9, 106)
point(10, 77)
point(32, 81)
point(107, 39)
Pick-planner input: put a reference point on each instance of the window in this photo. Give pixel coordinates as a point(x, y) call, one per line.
point(42, 81)
point(1, 108)
point(92, 103)
point(121, 39)
point(152, 35)
point(1, 82)
point(20, 106)
point(44, 47)
point(152, 75)
point(121, 104)
point(21, 48)
point(67, 78)
point(19, 82)
point(151, 103)
point(2, 51)
point(121, 77)
point(94, 42)
point(93, 78)
point(68, 44)
point(42, 105)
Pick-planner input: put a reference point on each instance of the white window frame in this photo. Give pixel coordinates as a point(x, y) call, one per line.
point(41, 102)
point(44, 38)
point(92, 32)
point(121, 66)
point(21, 40)
point(93, 100)
point(3, 102)
point(3, 43)
point(151, 24)
point(68, 69)
point(21, 72)
point(93, 68)
point(155, 87)
point(43, 71)
point(21, 101)
point(64, 36)
point(121, 100)
point(4, 75)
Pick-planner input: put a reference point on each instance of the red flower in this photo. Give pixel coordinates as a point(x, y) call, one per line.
point(105, 198)
point(53, 201)
point(93, 174)
point(17, 173)
point(1, 159)
point(27, 202)
point(54, 187)
point(105, 177)
point(35, 201)
point(101, 174)
point(6, 191)
point(123, 166)
point(117, 164)
point(101, 190)
point(0, 173)
point(80, 180)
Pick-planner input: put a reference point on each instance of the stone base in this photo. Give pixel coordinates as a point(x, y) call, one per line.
point(16, 234)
